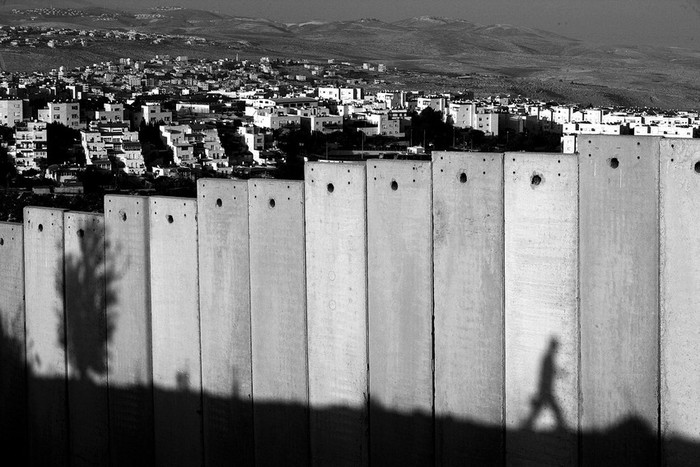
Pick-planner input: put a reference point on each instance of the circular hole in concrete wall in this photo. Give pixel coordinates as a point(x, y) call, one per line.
point(272, 203)
point(219, 202)
point(614, 163)
point(123, 216)
point(41, 227)
point(394, 185)
point(2, 241)
point(330, 188)
point(81, 233)
point(535, 180)
point(697, 167)
point(170, 219)
point(463, 177)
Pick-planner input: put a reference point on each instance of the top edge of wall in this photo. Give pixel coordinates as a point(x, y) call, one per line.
point(219, 181)
point(172, 198)
point(114, 196)
point(44, 208)
point(11, 224)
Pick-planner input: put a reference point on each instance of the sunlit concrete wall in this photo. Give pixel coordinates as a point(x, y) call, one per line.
point(483, 308)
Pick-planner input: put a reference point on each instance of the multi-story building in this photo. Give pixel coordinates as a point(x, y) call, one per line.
point(65, 113)
point(11, 112)
point(30, 144)
point(113, 112)
point(104, 142)
point(152, 113)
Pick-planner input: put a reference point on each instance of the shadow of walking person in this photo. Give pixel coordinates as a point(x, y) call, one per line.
point(545, 397)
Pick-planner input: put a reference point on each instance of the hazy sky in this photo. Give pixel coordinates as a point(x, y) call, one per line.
point(665, 22)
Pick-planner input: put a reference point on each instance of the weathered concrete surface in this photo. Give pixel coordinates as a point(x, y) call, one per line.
point(175, 317)
point(13, 380)
point(468, 270)
point(541, 319)
point(400, 291)
point(278, 320)
point(619, 268)
point(130, 371)
point(45, 320)
point(224, 307)
point(336, 284)
point(680, 301)
point(87, 334)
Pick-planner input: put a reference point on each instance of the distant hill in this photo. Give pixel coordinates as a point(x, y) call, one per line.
point(507, 58)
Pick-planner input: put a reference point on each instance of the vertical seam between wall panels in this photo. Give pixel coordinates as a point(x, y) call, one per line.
point(149, 333)
point(432, 308)
point(579, 392)
point(367, 369)
point(250, 324)
point(199, 333)
point(659, 438)
point(26, 353)
point(503, 308)
point(65, 335)
point(306, 318)
point(105, 280)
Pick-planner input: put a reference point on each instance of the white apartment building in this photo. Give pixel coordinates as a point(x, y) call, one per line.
point(437, 103)
point(152, 113)
point(490, 123)
point(113, 112)
point(463, 114)
point(668, 131)
point(30, 144)
point(585, 128)
point(254, 140)
point(322, 123)
point(274, 119)
point(102, 140)
point(65, 113)
point(386, 126)
point(11, 112)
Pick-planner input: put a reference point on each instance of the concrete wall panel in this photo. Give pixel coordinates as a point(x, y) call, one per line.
point(45, 331)
point(278, 322)
point(680, 282)
point(176, 338)
point(224, 306)
point(400, 290)
point(87, 334)
point(13, 375)
point(541, 319)
point(336, 281)
point(468, 268)
point(128, 309)
point(619, 268)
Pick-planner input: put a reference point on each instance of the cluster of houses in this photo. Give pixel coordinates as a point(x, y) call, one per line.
point(187, 98)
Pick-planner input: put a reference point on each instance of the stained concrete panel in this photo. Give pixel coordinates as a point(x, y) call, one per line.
point(13, 377)
point(87, 334)
point(176, 338)
point(278, 322)
point(336, 284)
point(619, 268)
point(400, 291)
point(128, 310)
point(468, 268)
point(541, 309)
point(680, 282)
point(45, 331)
point(224, 306)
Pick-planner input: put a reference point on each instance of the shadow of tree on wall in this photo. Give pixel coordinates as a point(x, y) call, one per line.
point(86, 336)
point(13, 384)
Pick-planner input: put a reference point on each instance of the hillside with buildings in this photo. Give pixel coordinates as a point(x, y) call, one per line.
point(453, 52)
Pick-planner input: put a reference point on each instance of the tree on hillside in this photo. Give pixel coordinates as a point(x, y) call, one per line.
point(61, 143)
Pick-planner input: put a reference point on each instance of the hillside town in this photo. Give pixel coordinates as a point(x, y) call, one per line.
point(178, 117)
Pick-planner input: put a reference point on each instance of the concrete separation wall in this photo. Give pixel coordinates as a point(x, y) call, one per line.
point(278, 321)
point(224, 307)
point(680, 298)
point(13, 384)
point(541, 319)
point(336, 281)
point(128, 309)
point(45, 328)
point(468, 268)
point(176, 346)
point(87, 332)
point(400, 291)
point(619, 270)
